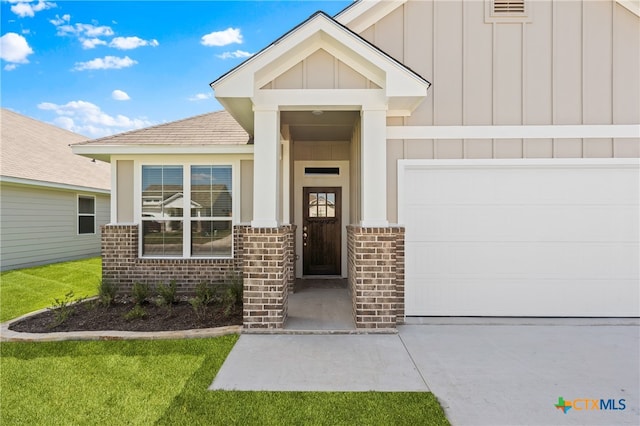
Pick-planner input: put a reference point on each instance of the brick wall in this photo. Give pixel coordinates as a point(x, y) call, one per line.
point(376, 275)
point(121, 264)
point(269, 255)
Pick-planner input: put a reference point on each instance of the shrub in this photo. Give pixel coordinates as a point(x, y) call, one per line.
point(168, 293)
point(107, 291)
point(233, 293)
point(63, 308)
point(199, 307)
point(135, 313)
point(140, 292)
point(205, 292)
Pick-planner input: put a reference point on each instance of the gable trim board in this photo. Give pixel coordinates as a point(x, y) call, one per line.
point(622, 131)
point(521, 237)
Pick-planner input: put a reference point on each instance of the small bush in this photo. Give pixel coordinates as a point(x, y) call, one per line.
point(168, 293)
point(135, 313)
point(140, 292)
point(107, 291)
point(233, 293)
point(205, 292)
point(63, 308)
point(199, 307)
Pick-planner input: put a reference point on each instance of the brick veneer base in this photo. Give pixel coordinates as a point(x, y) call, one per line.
point(122, 265)
point(376, 275)
point(268, 272)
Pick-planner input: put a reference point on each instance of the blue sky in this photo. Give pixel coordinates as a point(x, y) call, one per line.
point(104, 67)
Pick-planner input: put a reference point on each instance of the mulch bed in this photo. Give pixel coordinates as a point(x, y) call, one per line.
point(90, 316)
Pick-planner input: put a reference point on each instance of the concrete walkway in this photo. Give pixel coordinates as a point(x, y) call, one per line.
point(484, 372)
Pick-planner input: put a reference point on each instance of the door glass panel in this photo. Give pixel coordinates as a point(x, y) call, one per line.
point(322, 204)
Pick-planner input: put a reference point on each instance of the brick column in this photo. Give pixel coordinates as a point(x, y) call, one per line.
point(266, 277)
point(376, 275)
point(119, 253)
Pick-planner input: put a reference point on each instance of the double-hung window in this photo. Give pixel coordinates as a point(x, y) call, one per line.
point(186, 211)
point(86, 214)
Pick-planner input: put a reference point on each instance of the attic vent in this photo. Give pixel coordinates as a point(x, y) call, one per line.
point(508, 6)
point(507, 11)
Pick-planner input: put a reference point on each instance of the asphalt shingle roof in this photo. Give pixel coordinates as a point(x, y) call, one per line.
point(31, 149)
point(206, 129)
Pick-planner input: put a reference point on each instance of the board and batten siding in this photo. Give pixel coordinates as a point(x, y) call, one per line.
point(568, 63)
point(39, 226)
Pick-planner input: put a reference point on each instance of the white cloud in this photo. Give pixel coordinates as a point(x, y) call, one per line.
point(222, 38)
point(236, 54)
point(27, 8)
point(92, 43)
point(120, 95)
point(200, 96)
point(126, 43)
point(14, 48)
point(88, 119)
point(106, 63)
point(81, 30)
point(10, 67)
point(60, 20)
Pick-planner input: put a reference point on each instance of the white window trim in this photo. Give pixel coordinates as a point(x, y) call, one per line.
point(78, 214)
point(186, 219)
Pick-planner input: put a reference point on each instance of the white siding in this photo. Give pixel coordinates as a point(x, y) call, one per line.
point(39, 226)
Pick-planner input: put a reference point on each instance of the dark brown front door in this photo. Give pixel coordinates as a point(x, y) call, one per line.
point(321, 231)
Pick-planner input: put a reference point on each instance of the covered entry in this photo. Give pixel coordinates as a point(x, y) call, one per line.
point(521, 237)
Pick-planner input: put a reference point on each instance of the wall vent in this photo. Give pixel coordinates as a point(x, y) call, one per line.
point(508, 7)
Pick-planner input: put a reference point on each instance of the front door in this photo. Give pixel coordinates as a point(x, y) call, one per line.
point(321, 231)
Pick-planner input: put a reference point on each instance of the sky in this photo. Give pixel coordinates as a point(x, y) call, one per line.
point(103, 67)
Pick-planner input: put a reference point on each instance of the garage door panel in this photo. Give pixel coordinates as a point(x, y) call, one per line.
point(521, 237)
point(526, 297)
point(515, 185)
point(523, 223)
point(571, 261)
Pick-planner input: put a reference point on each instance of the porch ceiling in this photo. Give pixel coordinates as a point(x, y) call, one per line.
point(328, 126)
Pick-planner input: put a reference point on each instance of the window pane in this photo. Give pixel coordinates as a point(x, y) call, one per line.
point(211, 238)
point(86, 224)
point(211, 191)
point(162, 238)
point(162, 191)
point(86, 205)
point(331, 204)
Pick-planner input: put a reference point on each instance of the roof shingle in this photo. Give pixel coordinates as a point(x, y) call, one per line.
point(206, 129)
point(39, 151)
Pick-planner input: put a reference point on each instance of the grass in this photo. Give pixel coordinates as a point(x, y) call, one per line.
point(165, 382)
point(156, 382)
point(26, 290)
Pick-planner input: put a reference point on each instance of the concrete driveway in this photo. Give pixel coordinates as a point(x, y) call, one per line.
point(514, 371)
point(484, 372)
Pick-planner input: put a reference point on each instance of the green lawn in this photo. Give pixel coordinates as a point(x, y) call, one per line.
point(165, 382)
point(26, 290)
point(156, 382)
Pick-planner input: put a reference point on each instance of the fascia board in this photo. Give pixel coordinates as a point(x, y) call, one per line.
point(344, 98)
point(52, 185)
point(365, 13)
point(101, 150)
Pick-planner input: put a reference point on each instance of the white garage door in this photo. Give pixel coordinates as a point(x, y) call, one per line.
point(521, 237)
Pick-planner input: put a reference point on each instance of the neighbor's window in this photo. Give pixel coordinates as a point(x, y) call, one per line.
point(198, 219)
point(162, 210)
point(86, 214)
point(211, 211)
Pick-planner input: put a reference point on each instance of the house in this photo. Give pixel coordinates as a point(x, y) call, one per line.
point(449, 158)
point(53, 203)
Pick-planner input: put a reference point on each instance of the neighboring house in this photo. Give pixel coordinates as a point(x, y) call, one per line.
point(52, 203)
point(508, 188)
